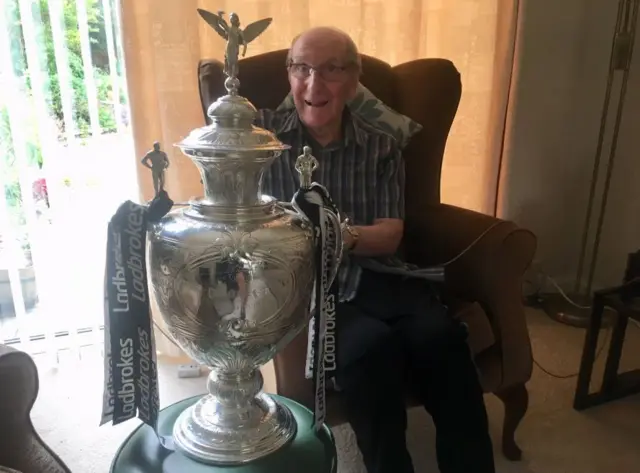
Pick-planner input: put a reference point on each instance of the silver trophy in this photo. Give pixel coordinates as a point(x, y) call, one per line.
point(233, 274)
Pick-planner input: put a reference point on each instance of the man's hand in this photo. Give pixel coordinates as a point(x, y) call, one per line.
point(145, 162)
point(380, 239)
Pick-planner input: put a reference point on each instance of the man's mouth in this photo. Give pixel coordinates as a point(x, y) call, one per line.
point(317, 104)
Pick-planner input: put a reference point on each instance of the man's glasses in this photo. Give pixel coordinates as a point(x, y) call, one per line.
point(328, 72)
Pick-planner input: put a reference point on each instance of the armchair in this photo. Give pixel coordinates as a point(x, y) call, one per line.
point(484, 284)
point(21, 448)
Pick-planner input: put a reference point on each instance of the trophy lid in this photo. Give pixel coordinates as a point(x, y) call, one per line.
point(231, 129)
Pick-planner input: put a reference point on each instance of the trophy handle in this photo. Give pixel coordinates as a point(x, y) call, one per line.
point(333, 220)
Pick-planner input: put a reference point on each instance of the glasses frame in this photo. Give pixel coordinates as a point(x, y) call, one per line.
point(318, 70)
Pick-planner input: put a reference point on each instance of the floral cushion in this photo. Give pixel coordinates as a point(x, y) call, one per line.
point(368, 107)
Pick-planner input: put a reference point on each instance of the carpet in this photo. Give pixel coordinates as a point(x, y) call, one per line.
point(554, 437)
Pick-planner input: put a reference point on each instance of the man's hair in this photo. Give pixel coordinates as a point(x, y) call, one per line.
point(352, 53)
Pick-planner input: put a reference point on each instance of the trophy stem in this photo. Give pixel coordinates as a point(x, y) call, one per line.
point(236, 423)
point(235, 394)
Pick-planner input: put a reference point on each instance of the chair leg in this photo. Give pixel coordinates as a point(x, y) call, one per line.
point(516, 402)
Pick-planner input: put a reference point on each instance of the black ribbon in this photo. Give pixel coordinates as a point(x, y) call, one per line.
point(131, 373)
point(314, 202)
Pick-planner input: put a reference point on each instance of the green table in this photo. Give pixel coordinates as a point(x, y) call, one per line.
point(306, 453)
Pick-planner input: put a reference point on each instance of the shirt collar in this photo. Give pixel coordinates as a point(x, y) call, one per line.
point(352, 128)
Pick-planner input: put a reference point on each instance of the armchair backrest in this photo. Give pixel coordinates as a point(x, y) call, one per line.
point(426, 90)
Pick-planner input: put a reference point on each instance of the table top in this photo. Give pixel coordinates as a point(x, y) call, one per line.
point(141, 452)
point(629, 307)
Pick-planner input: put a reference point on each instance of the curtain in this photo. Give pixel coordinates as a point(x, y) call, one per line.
point(164, 40)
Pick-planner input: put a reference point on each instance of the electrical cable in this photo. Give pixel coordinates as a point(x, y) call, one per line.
point(570, 301)
point(564, 294)
point(572, 375)
point(473, 243)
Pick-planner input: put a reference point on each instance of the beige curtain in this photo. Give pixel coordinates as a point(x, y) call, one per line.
point(165, 39)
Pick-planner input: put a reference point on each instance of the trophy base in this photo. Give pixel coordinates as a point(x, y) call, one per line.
point(207, 433)
point(310, 451)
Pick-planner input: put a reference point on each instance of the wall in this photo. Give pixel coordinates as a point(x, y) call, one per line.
point(561, 76)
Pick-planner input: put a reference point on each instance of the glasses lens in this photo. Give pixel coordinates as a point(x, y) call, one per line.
point(299, 70)
point(332, 72)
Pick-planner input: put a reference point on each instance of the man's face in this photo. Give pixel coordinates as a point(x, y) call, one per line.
point(321, 79)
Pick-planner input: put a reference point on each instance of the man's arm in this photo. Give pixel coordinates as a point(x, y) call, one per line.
point(384, 236)
point(145, 161)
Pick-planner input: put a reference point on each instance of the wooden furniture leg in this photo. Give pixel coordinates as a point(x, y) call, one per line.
point(614, 385)
point(516, 402)
point(589, 350)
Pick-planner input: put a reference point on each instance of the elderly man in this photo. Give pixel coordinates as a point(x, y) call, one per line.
point(391, 330)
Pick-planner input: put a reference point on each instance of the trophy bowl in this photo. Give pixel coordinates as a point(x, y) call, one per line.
point(232, 275)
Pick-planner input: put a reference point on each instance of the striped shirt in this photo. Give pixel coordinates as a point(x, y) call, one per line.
point(363, 172)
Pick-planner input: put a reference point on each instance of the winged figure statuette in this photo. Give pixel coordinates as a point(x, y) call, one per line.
point(234, 35)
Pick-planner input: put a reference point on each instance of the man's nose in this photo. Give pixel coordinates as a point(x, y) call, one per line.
point(315, 80)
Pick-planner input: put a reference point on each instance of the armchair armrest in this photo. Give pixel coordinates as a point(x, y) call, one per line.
point(489, 271)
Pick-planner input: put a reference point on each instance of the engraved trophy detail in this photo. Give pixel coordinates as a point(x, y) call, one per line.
point(233, 275)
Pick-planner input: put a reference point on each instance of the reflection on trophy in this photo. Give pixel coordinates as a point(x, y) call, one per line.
point(233, 275)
